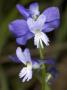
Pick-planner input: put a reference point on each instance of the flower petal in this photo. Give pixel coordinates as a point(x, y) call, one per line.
point(50, 26)
point(23, 39)
point(22, 10)
point(41, 38)
point(27, 55)
point(25, 78)
point(36, 25)
point(20, 55)
point(29, 75)
point(49, 61)
point(14, 59)
point(23, 72)
point(45, 39)
point(36, 63)
point(40, 22)
point(30, 23)
point(26, 74)
point(18, 27)
point(52, 13)
point(34, 9)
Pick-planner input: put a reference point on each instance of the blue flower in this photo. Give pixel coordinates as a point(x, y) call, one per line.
point(33, 10)
point(24, 57)
point(53, 70)
point(35, 25)
point(30, 63)
point(52, 74)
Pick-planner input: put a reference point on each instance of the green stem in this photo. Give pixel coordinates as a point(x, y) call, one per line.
point(43, 68)
point(43, 77)
point(45, 85)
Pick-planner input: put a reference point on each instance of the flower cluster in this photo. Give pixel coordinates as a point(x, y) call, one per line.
point(34, 25)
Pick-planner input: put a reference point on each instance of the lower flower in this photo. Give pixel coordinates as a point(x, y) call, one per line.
point(30, 64)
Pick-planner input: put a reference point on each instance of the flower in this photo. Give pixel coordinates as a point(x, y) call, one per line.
point(33, 10)
point(52, 74)
point(35, 25)
point(53, 70)
point(36, 28)
point(30, 64)
point(24, 57)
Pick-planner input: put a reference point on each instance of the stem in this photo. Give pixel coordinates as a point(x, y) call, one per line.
point(43, 77)
point(45, 85)
point(43, 68)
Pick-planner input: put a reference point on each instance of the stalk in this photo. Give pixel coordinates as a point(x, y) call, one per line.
point(45, 85)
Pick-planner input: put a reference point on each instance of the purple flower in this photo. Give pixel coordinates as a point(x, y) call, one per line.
point(36, 25)
point(53, 70)
point(52, 74)
point(33, 10)
point(25, 58)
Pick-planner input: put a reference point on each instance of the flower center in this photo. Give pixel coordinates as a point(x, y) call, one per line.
point(37, 31)
point(35, 17)
point(29, 65)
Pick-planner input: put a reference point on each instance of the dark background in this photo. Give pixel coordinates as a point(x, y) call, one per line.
point(9, 79)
